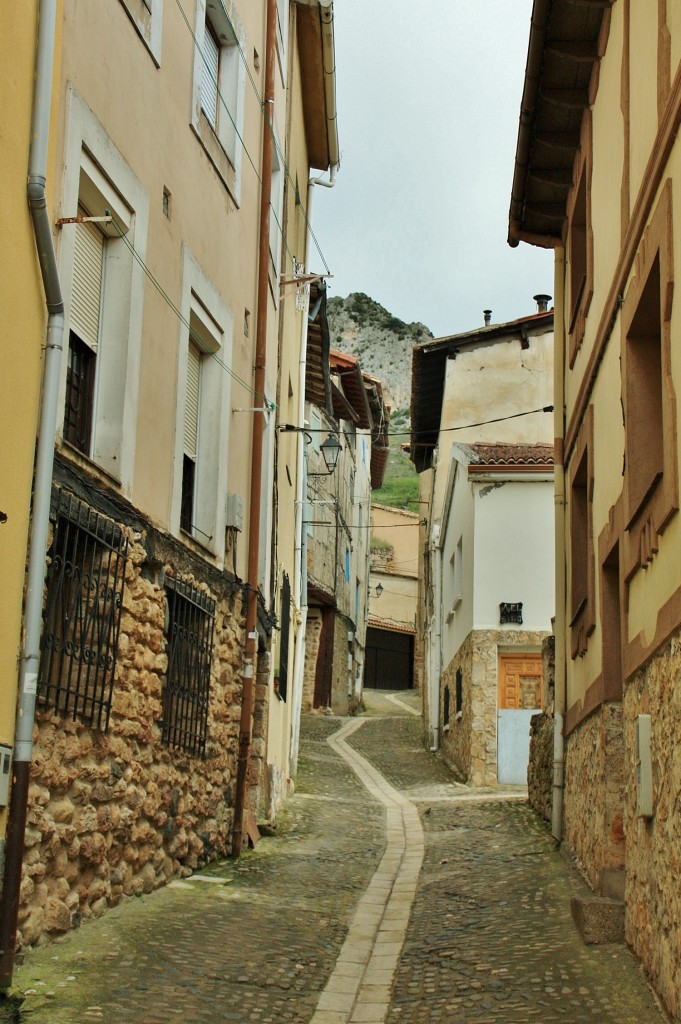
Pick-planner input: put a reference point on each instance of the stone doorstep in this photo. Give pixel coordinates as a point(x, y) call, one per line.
point(599, 919)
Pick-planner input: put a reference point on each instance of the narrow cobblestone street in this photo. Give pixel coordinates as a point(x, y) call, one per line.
point(388, 892)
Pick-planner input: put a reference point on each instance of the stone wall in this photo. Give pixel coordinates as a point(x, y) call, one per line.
point(653, 846)
point(114, 814)
point(340, 699)
point(540, 767)
point(313, 630)
point(593, 798)
point(456, 738)
point(471, 741)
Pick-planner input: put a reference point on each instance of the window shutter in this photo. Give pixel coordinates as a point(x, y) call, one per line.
point(86, 295)
point(209, 76)
point(191, 407)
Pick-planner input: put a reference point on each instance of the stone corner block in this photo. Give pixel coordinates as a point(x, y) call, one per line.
point(599, 919)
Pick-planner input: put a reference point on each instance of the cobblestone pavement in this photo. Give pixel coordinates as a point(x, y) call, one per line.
point(482, 935)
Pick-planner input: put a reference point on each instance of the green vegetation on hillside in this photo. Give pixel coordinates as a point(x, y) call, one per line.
point(400, 485)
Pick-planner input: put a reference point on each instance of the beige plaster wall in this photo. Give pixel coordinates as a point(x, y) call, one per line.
point(24, 321)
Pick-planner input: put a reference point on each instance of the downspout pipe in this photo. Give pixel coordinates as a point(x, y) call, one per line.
point(300, 579)
point(249, 664)
point(300, 548)
point(40, 515)
point(560, 691)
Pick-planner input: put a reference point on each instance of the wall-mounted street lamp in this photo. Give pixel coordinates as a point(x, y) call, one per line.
point(379, 589)
point(330, 448)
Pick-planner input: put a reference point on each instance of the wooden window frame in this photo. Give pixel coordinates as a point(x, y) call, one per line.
point(579, 233)
point(582, 609)
point(649, 507)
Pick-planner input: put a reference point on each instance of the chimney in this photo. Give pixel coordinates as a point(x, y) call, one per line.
point(542, 302)
point(487, 313)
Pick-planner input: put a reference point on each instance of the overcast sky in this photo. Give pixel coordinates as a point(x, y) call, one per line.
point(428, 103)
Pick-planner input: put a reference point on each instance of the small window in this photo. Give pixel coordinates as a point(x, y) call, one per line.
point(445, 709)
point(582, 598)
point(218, 89)
point(459, 691)
point(86, 304)
point(82, 614)
point(191, 436)
point(210, 77)
point(284, 641)
point(189, 646)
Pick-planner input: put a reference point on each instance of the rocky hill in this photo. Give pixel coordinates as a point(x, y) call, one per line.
point(363, 328)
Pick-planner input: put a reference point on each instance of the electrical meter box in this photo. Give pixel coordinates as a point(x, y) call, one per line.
point(5, 773)
point(234, 512)
point(644, 768)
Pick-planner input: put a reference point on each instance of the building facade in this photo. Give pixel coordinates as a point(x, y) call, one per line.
point(486, 569)
point(393, 648)
point(607, 200)
point(170, 289)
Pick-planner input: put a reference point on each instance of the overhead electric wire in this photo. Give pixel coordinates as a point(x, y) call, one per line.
point(192, 334)
point(262, 105)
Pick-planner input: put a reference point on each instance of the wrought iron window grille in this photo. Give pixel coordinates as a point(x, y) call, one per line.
point(82, 614)
point(189, 640)
point(511, 613)
point(285, 629)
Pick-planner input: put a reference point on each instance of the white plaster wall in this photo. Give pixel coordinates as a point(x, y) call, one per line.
point(514, 556)
point(458, 524)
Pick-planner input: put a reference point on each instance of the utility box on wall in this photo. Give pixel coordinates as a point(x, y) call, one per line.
point(644, 768)
point(5, 773)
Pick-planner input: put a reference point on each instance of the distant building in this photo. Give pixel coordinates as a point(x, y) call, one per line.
point(392, 645)
point(481, 441)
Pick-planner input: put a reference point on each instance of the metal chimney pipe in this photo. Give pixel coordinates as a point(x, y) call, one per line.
point(487, 313)
point(542, 302)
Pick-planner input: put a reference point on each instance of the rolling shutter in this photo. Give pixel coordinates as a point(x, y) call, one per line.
point(86, 295)
point(209, 76)
point(191, 407)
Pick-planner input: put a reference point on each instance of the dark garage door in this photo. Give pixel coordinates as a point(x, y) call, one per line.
point(389, 660)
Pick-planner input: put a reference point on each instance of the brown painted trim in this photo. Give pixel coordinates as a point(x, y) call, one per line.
point(645, 520)
point(637, 652)
point(664, 59)
point(582, 620)
point(655, 168)
point(582, 171)
point(625, 107)
point(581, 709)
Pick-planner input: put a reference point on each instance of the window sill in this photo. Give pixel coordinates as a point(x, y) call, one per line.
point(217, 155)
point(146, 22)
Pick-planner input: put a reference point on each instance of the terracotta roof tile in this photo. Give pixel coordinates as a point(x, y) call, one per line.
point(513, 454)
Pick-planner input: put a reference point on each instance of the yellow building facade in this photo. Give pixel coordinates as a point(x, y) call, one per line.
point(598, 178)
point(25, 318)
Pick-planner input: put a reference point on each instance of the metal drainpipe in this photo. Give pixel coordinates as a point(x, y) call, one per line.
point(248, 672)
point(300, 587)
point(30, 656)
point(300, 551)
point(560, 686)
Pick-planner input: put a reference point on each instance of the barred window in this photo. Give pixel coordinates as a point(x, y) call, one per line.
point(189, 639)
point(82, 614)
point(285, 623)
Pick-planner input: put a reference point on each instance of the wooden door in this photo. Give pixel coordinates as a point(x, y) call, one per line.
point(520, 681)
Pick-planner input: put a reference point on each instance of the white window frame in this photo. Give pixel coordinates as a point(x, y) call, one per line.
point(147, 17)
point(282, 36)
point(222, 142)
point(97, 176)
point(276, 240)
point(212, 328)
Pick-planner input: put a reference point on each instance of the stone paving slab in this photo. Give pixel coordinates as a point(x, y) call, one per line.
point(482, 934)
